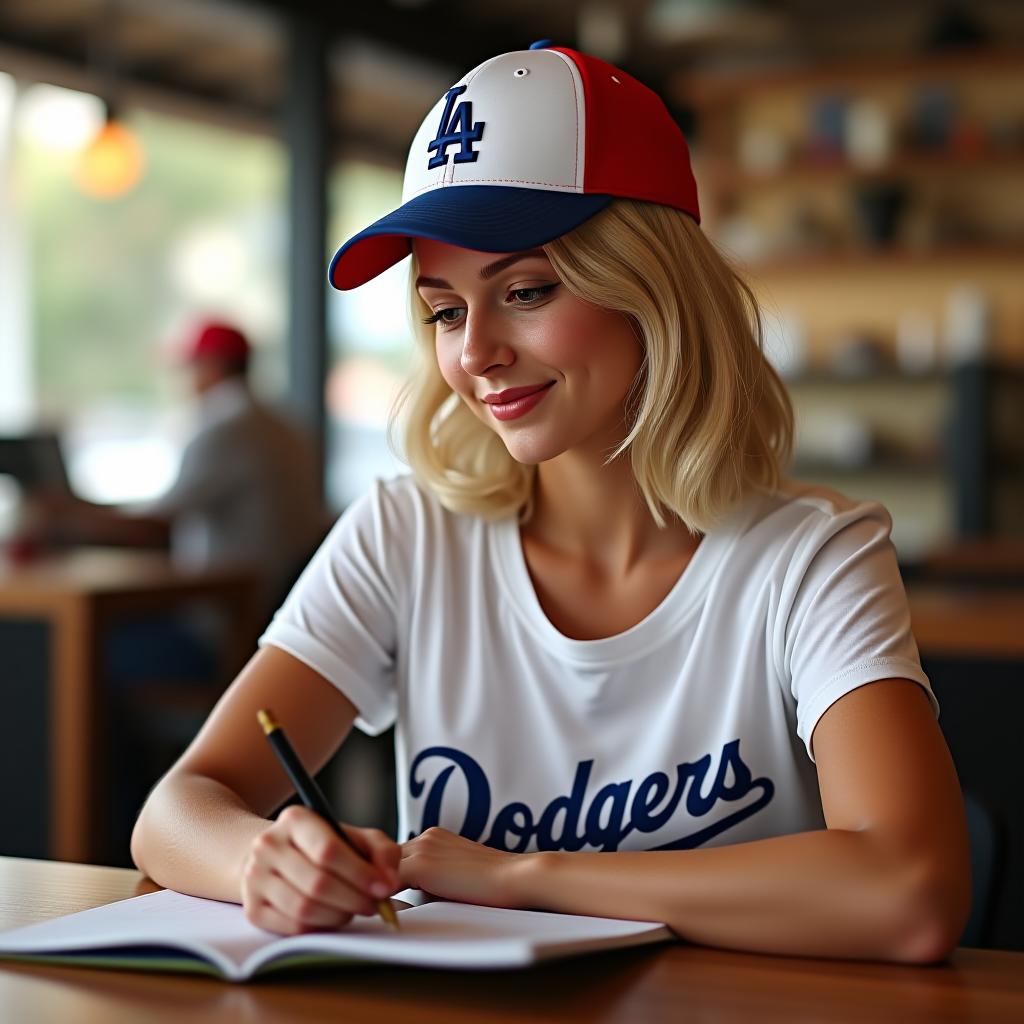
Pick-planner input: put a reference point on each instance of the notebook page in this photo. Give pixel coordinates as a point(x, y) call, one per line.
point(217, 931)
point(443, 934)
point(435, 934)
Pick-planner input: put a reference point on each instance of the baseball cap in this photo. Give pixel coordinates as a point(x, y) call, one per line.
point(218, 341)
point(524, 148)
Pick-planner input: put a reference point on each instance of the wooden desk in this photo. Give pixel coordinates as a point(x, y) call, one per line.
point(77, 594)
point(956, 621)
point(645, 986)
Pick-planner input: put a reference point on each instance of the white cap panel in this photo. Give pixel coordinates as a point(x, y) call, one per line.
point(549, 154)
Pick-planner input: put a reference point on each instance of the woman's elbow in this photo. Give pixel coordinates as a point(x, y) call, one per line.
point(137, 845)
point(932, 916)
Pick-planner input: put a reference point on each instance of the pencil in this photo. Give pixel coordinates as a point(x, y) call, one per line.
point(311, 794)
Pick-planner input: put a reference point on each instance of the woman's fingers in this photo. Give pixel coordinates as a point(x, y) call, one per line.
point(265, 915)
point(300, 876)
point(384, 853)
point(321, 886)
point(307, 911)
point(272, 901)
point(318, 843)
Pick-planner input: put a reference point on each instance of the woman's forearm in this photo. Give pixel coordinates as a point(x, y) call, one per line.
point(831, 893)
point(194, 834)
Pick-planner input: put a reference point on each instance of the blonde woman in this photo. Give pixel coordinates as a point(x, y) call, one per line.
point(634, 672)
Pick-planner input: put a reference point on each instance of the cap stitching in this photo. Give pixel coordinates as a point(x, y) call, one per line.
point(520, 181)
point(576, 147)
point(575, 77)
point(555, 185)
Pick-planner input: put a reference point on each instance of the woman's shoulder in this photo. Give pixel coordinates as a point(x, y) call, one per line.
point(821, 507)
point(402, 506)
point(798, 515)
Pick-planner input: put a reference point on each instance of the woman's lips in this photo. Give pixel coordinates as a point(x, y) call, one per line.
point(516, 402)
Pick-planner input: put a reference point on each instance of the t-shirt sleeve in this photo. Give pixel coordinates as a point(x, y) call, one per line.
point(340, 617)
point(846, 621)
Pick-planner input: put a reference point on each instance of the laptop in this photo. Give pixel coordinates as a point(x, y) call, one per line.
point(36, 461)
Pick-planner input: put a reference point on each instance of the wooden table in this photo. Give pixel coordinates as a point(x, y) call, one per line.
point(77, 594)
point(961, 621)
point(641, 986)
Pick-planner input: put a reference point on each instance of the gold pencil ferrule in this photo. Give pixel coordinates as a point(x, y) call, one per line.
point(387, 912)
point(267, 721)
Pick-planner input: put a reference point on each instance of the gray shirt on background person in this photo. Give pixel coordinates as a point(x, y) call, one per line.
point(247, 491)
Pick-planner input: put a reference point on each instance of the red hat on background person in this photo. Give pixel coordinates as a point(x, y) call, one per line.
point(218, 341)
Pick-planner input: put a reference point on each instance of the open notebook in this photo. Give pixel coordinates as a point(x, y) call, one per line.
point(171, 932)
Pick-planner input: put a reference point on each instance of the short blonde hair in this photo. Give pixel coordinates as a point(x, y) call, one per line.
point(708, 418)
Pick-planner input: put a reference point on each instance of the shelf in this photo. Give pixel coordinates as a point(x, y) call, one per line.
point(805, 469)
point(881, 378)
point(828, 260)
point(908, 165)
point(708, 89)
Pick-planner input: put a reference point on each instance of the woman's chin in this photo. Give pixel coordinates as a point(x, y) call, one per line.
point(532, 454)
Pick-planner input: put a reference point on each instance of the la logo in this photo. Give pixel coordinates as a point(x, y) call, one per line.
point(455, 128)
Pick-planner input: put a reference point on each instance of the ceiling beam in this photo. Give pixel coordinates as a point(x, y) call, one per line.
point(65, 60)
point(443, 30)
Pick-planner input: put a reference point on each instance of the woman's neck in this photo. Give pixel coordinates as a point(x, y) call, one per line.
point(596, 513)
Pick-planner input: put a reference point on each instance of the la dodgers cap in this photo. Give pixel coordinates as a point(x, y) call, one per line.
point(524, 148)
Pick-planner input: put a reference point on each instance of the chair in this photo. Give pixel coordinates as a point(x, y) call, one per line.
point(988, 841)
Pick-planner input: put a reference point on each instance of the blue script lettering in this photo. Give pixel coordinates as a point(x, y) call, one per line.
point(609, 818)
point(478, 808)
point(570, 806)
point(515, 818)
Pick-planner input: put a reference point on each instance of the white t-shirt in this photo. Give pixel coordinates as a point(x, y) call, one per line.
point(691, 728)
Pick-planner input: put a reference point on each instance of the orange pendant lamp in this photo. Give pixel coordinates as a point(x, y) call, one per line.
point(111, 163)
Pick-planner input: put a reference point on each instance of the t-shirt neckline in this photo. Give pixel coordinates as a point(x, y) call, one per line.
point(683, 599)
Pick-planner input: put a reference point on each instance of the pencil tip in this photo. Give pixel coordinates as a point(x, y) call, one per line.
point(387, 912)
point(267, 721)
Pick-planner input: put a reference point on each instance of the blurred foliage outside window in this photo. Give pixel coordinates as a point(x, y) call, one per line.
point(370, 339)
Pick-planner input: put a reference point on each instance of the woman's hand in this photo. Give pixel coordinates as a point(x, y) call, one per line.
point(300, 877)
point(447, 865)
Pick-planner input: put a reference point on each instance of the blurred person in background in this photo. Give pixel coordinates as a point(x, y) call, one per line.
point(247, 491)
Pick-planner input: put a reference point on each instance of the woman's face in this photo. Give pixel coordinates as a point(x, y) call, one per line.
point(545, 370)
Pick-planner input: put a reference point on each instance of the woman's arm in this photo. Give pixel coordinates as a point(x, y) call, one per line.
point(203, 829)
point(889, 878)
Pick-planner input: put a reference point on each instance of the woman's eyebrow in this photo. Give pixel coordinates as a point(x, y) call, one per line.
point(485, 272)
point(506, 261)
point(431, 282)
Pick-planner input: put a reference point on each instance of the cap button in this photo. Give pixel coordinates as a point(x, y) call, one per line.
point(541, 44)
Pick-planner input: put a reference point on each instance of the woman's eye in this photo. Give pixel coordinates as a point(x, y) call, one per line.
point(444, 316)
point(529, 295)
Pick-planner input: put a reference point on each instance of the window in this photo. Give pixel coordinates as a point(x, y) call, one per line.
point(109, 288)
point(370, 338)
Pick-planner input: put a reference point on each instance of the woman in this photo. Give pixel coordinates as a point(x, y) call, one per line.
point(634, 673)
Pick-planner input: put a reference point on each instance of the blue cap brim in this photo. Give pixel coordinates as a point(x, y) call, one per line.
point(486, 218)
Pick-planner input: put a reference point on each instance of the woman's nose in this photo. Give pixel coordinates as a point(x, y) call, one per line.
point(483, 347)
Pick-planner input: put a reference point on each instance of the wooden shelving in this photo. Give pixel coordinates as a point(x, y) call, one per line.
point(887, 467)
point(710, 89)
point(847, 254)
point(800, 171)
point(836, 260)
point(887, 378)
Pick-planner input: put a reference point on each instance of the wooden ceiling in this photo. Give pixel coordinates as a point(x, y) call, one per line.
point(390, 59)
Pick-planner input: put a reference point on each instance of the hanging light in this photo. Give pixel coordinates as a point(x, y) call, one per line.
point(111, 163)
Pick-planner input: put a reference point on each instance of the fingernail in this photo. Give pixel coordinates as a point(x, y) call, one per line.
point(379, 889)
